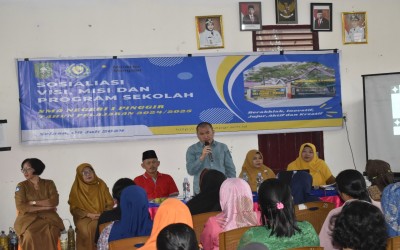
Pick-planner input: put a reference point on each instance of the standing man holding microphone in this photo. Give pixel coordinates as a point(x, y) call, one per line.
point(209, 154)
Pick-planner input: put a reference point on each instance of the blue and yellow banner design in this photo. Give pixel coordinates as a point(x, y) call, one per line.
point(131, 98)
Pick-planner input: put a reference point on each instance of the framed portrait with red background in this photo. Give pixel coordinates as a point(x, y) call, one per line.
point(250, 16)
point(321, 16)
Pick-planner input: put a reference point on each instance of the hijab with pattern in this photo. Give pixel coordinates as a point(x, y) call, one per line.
point(252, 171)
point(93, 197)
point(379, 173)
point(391, 208)
point(170, 211)
point(236, 201)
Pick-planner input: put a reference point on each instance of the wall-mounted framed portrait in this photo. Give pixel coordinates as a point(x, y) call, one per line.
point(209, 32)
point(321, 16)
point(286, 11)
point(354, 27)
point(250, 16)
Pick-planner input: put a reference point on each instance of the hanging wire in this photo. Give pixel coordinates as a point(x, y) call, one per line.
point(348, 139)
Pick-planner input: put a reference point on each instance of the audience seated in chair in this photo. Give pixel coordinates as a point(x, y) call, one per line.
point(360, 225)
point(236, 201)
point(208, 198)
point(177, 236)
point(135, 219)
point(380, 175)
point(88, 198)
point(170, 211)
point(114, 214)
point(279, 229)
point(391, 208)
point(351, 186)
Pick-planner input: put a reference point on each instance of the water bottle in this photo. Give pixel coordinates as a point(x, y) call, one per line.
point(186, 189)
point(3, 240)
point(12, 240)
point(245, 177)
point(71, 238)
point(259, 180)
point(64, 240)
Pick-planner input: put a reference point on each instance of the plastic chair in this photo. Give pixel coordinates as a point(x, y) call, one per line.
point(230, 239)
point(307, 248)
point(393, 243)
point(315, 213)
point(199, 220)
point(128, 243)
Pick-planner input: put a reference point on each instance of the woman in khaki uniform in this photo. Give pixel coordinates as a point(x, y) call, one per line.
point(88, 198)
point(38, 224)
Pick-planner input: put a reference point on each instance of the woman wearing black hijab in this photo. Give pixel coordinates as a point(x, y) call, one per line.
point(208, 198)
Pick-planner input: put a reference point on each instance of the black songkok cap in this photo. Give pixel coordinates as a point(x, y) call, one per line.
point(149, 154)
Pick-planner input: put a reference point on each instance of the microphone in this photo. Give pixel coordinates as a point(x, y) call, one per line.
point(210, 156)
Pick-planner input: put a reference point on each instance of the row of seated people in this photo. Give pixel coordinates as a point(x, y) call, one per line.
point(275, 226)
point(37, 198)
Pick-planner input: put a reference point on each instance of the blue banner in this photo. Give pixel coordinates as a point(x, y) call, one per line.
point(128, 98)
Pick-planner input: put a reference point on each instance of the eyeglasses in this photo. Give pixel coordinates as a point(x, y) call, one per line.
point(26, 170)
point(87, 172)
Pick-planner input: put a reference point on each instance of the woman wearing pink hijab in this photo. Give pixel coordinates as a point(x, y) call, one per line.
point(236, 202)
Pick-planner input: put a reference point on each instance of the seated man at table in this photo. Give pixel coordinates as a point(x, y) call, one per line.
point(156, 184)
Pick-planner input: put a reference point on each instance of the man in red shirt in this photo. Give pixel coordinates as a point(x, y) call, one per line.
point(156, 184)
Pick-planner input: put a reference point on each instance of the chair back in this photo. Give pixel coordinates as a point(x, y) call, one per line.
point(128, 243)
point(393, 243)
point(103, 225)
point(230, 239)
point(307, 248)
point(199, 220)
point(315, 213)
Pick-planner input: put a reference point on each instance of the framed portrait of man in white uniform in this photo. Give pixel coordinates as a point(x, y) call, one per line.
point(354, 27)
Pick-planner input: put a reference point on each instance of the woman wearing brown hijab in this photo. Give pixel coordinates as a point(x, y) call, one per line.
point(380, 175)
point(88, 198)
point(254, 164)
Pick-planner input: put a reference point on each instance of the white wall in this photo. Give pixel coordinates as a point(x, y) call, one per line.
point(55, 28)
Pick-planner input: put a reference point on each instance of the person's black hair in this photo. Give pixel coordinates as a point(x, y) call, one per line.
point(360, 225)
point(177, 236)
point(281, 220)
point(203, 124)
point(119, 185)
point(36, 164)
point(250, 7)
point(352, 183)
